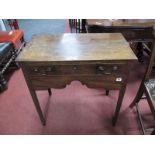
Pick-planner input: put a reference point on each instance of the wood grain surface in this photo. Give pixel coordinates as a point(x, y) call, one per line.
point(77, 47)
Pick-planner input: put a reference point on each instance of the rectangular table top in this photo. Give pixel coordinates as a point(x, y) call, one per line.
point(122, 22)
point(76, 47)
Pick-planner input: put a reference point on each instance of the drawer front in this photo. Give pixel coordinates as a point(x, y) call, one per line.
point(106, 81)
point(85, 69)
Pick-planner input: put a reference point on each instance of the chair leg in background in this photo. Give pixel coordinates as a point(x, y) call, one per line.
point(3, 83)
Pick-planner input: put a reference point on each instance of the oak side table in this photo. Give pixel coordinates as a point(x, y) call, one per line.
point(98, 60)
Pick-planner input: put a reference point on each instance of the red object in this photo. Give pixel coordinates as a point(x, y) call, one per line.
point(14, 36)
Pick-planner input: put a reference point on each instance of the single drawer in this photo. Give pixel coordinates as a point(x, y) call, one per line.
point(77, 69)
point(105, 81)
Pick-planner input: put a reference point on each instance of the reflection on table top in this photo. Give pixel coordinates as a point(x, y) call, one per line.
point(77, 47)
point(122, 22)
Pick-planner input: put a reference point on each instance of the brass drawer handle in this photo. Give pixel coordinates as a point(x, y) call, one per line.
point(107, 73)
point(115, 68)
point(104, 70)
point(49, 69)
point(75, 68)
point(35, 69)
point(100, 68)
point(43, 72)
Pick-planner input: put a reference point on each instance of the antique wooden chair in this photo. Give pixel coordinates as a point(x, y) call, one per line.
point(8, 52)
point(147, 87)
point(11, 43)
point(7, 57)
point(77, 25)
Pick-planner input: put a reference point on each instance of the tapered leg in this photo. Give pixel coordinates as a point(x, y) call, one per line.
point(118, 106)
point(37, 105)
point(49, 92)
point(34, 96)
point(107, 92)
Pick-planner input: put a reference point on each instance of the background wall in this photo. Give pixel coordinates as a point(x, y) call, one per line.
point(2, 26)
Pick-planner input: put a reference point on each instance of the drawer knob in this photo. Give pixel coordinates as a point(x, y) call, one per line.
point(75, 67)
point(48, 69)
point(43, 72)
point(115, 68)
point(100, 68)
point(36, 69)
point(107, 73)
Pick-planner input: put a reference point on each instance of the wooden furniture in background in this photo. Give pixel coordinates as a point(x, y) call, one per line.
point(97, 60)
point(7, 57)
point(77, 25)
point(11, 43)
point(147, 87)
point(136, 31)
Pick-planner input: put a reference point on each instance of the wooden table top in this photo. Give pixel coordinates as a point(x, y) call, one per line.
point(122, 22)
point(77, 47)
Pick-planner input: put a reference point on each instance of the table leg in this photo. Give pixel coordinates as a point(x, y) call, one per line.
point(121, 95)
point(118, 106)
point(49, 92)
point(34, 96)
point(37, 105)
point(107, 92)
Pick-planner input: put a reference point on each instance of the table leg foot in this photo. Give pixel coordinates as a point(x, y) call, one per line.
point(49, 92)
point(107, 92)
point(113, 121)
point(43, 122)
point(118, 106)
